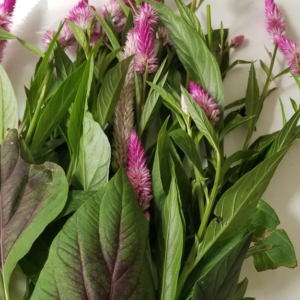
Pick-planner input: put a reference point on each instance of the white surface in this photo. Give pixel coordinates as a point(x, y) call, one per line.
point(246, 17)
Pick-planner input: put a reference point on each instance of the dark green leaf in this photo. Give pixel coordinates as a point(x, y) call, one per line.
point(125, 9)
point(200, 119)
point(294, 104)
point(282, 112)
point(169, 245)
point(128, 25)
point(235, 103)
point(31, 197)
point(110, 91)
point(281, 251)
point(57, 107)
point(221, 281)
point(235, 63)
point(101, 251)
point(107, 60)
point(193, 52)
point(94, 156)
point(9, 116)
point(241, 290)
point(264, 67)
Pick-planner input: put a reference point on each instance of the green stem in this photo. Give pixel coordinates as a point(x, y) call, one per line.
point(209, 29)
point(193, 5)
point(34, 121)
point(263, 96)
point(70, 170)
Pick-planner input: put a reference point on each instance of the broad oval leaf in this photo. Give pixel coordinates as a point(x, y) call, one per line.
point(9, 116)
point(192, 51)
point(281, 251)
point(110, 91)
point(94, 156)
point(101, 251)
point(169, 245)
point(31, 197)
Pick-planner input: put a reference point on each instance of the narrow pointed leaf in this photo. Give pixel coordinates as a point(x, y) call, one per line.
point(57, 108)
point(31, 197)
point(192, 51)
point(241, 290)
point(80, 37)
point(169, 245)
point(101, 251)
point(9, 115)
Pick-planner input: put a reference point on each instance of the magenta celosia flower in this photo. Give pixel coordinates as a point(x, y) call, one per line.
point(116, 12)
point(274, 21)
point(138, 172)
point(207, 103)
point(6, 13)
point(48, 37)
point(237, 41)
point(291, 50)
point(145, 22)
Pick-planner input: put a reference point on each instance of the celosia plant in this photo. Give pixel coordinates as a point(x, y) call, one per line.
point(115, 184)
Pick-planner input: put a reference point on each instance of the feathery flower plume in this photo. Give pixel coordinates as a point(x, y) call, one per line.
point(145, 22)
point(48, 37)
point(138, 172)
point(6, 13)
point(274, 21)
point(291, 51)
point(124, 116)
point(116, 12)
point(207, 103)
point(237, 41)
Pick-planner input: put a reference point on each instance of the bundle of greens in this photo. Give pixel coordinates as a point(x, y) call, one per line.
point(115, 185)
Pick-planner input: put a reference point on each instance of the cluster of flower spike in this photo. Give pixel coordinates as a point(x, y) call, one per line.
point(276, 28)
point(6, 13)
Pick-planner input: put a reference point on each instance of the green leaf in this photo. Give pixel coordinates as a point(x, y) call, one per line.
point(193, 52)
point(241, 290)
point(125, 9)
point(107, 60)
point(151, 107)
point(110, 91)
point(281, 251)
point(80, 37)
point(235, 103)
point(63, 64)
point(8, 105)
point(169, 245)
point(190, 18)
point(221, 281)
point(94, 156)
point(113, 40)
point(264, 67)
point(235, 207)
point(75, 128)
point(128, 25)
point(102, 249)
point(286, 135)
point(234, 124)
point(4, 35)
point(252, 99)
point(31, 197)
point(282, 112)
point(186, 144)
point(294, 104)
point(200, 119)
point(57, 107)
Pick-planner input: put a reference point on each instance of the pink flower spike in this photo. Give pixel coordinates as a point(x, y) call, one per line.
point(138, 172)
point(116, 12)
point(291, 51)
point(274, 21)
point(237, 41)
point(145, 22)
point(207, 103)
point(48, 37)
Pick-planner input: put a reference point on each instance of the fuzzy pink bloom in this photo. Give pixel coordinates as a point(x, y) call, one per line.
point(145, 22)
point(291, 50)
point(162, 34)
point(6, 13)
point(237, 41)
point(207, 103)
point(138, 172)
point(274, 21)
point(48, 37)
point(116, 12)
point(79, 15)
